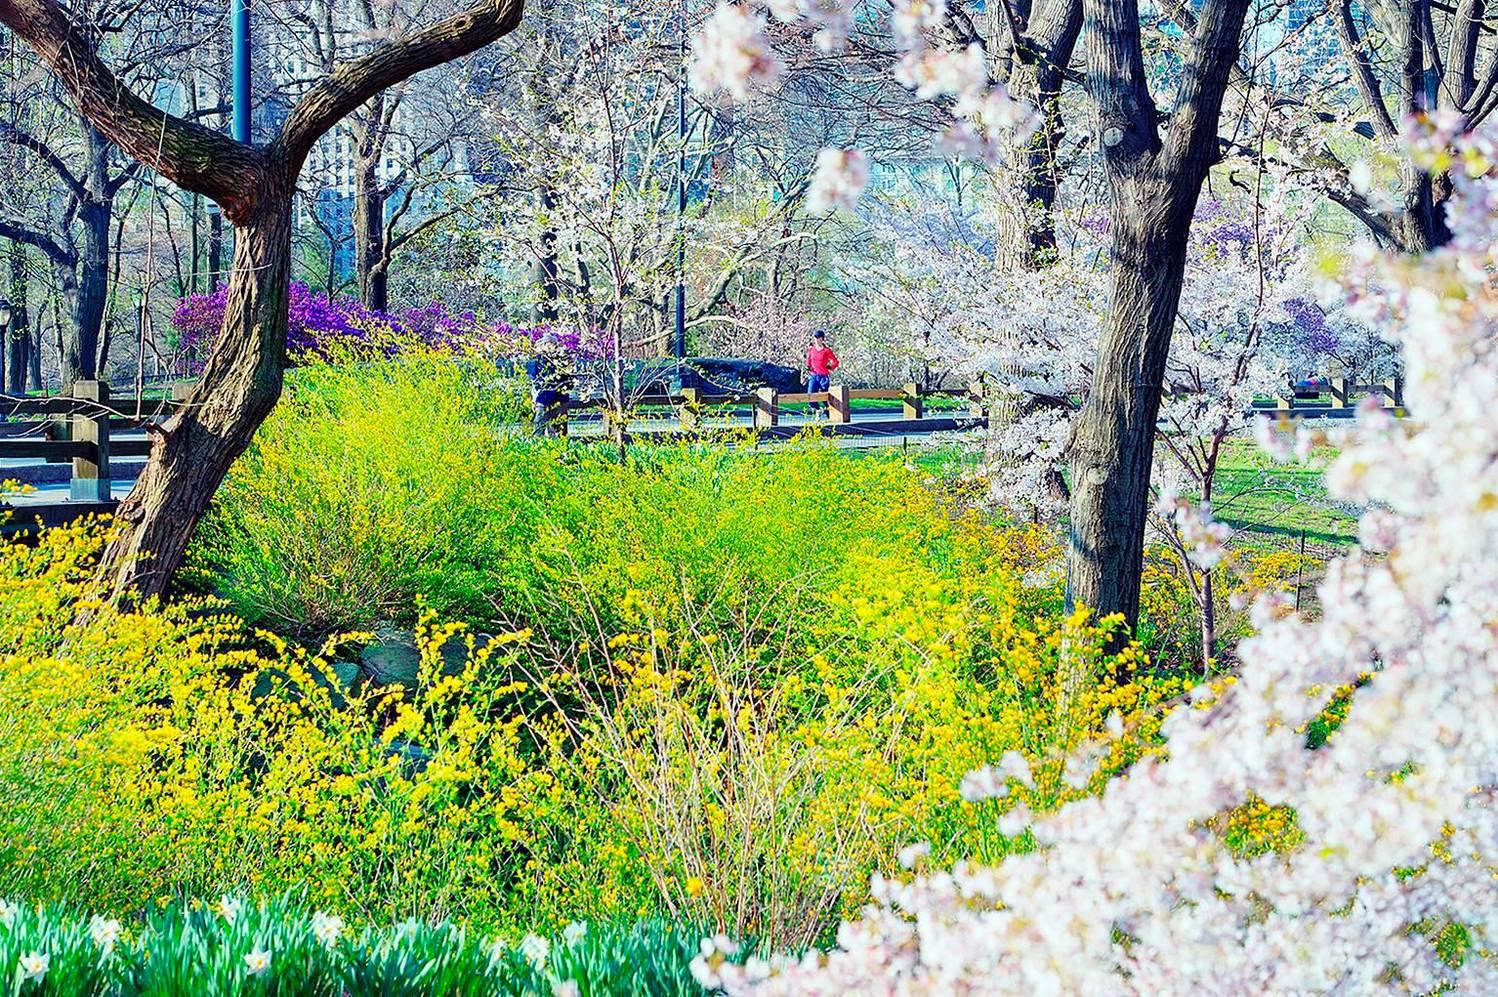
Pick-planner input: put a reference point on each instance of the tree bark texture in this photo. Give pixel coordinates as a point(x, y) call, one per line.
point(87, 294)
point(17, 357)
point(238, 389)
point(370, 258)
point(1155, 182)
point(1027, 237)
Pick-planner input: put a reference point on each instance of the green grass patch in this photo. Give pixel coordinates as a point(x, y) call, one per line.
point(1255, 494)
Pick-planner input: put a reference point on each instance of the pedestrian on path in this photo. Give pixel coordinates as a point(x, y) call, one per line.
point(548, 395)
point(821, 361)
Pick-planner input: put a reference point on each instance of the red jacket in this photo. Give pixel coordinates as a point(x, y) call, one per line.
point(821, 359)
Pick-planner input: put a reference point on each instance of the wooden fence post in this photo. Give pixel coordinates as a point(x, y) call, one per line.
point(766, 409)
point(915, 407)
point(1339, 392)
point(1394, 392)
point(840, 406)
point(90, 481)
point(691, 408)
point(977, 400)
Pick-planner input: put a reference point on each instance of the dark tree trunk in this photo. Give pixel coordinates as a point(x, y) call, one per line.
point(1113, 447)
point(215, 247)
point(369, 234)
point(240, 385)
point(1154, 187)
point(1027, 237)
point(1420, 226)
point(548, 265)
point(17, 357)
point(88, 295)
point(195, 259)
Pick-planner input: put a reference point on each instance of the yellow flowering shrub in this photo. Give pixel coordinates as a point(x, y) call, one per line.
point(173, 751)
point(703, 771)
point(709, 721)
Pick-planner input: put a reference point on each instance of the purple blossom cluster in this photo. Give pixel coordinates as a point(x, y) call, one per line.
point(316, 322)
point(1316, 336)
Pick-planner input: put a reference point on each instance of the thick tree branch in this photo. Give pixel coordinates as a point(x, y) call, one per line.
point(1052, 34)
point(1368, 86)
point(186, 153)
point(1192, 138)
point(1412, 73)
point(1377, 222)
point(51, 248)
point(353, 83)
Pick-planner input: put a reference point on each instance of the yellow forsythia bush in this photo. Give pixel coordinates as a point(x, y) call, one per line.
point(714, 773)
point(172, 751)
point(701, 771)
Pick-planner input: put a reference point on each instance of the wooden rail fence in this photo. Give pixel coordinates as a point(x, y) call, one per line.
point(86, 429)
point(1343, 392)
point(766, 406)
point(91, 428)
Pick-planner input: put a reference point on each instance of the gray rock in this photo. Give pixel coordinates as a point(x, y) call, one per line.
point(338, 679)
point(413, 757)
point(345, 674)
point(393, 657)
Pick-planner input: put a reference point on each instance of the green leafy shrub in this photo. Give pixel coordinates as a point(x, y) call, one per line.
point(375, 486)
point(364, 488)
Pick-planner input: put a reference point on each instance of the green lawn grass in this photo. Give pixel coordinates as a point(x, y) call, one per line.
point(1255, 494)
point(1252, 492)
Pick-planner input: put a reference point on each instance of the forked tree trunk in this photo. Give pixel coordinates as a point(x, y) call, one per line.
point(1420, 225)
point(1154, 185)
point(240, 385)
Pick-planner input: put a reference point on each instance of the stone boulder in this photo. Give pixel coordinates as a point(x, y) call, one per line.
point(393, 657)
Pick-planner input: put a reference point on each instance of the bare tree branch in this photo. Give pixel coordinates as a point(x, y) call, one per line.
point(15, 136)
point(184, 152)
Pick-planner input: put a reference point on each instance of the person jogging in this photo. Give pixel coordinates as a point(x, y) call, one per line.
point(821, 361)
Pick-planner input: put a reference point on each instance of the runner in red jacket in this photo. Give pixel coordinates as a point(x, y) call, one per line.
point(821, 361)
